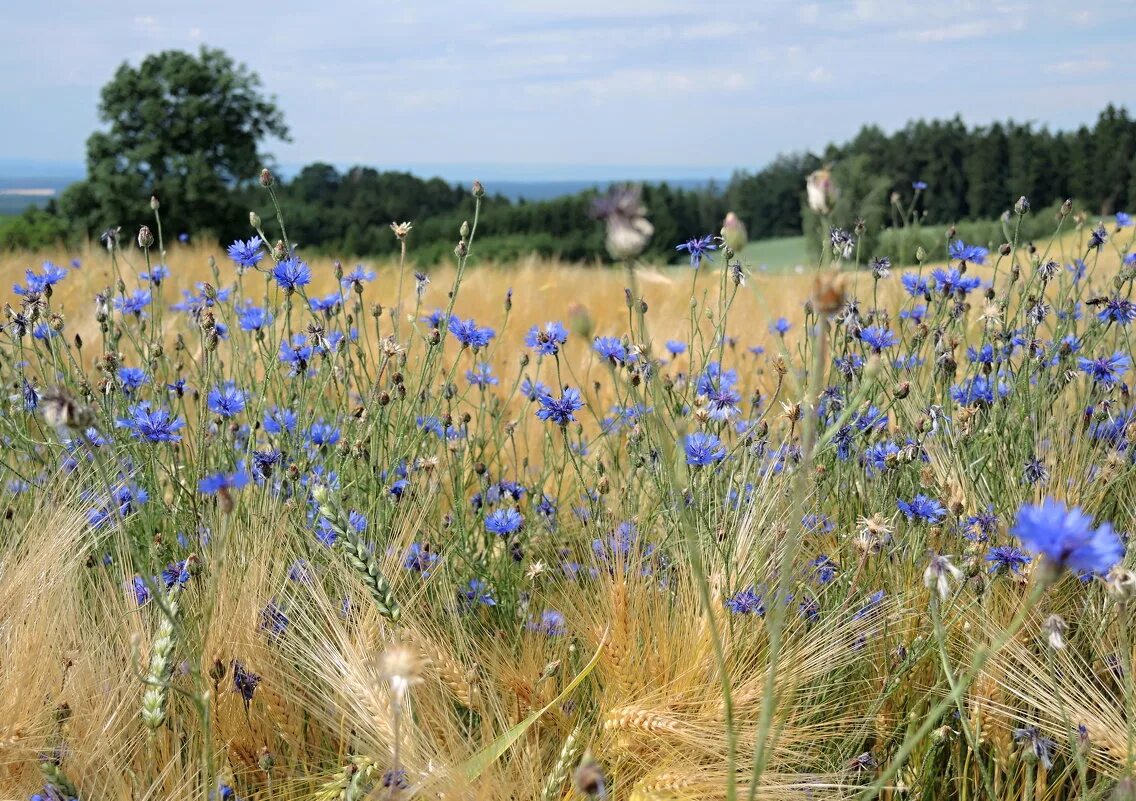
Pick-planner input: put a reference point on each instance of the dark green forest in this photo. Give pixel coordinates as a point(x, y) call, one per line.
point(972, 173)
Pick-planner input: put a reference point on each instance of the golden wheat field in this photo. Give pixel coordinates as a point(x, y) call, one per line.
point(204, 643)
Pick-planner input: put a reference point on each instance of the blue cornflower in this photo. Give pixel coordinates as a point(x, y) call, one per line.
point(953, 280)
point(560, 410)
point(675, 347)
point(980, 526)
point(547, 341)
point(915, 314)
point(1067, 538)
point(141, 591)
point(322, 433)
point(131, 378)
point(220, 482)
point(1123, 220)
point(970, 253)
point(435, 319)
point(551, 623)
point(922, 509)
point(1098, 237)
point(980, 390)
point(1042, 747)
point(246, 254)
point(698, 249)
point(703, 449)
point(504, 522)
point(780, 326)
point(1006, 558)
point(358, 275)
point(156, 274)
point(292, 274)
point(477, 592)
point(610, 348)
point(869, 606)
point(824, 569)
point(273, 620)
point(746, 602)
point(878, 338)
point(277, 420)
point(1078, 268)
point(226, 400)
point(814, 523)
point(470, 334)
point(43, 331)
point(722, 404)
point(1105, 370)
point(481, 376)
point(134, 303)
point(715, 378)
point(533, 389)
point(1117, 310)
point(245, 683)
point(918, 186)
point(253, 318)
point(176, 573)
point(155, 425)
point(419, 559)
point(916, 285)
point(297, 354)
point(325, 304)
point(263, 462)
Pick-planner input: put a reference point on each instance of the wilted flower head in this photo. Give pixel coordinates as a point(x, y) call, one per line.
point(821, 191)
point(628, 230)
point(402, 667)
point(1054, 629)
point(938, 574)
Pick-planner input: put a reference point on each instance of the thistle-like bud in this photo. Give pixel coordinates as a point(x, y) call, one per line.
point(1022, 206)
point(920, 254)
point(254, 220)
point(1066, 208)
point(279, 251)
point(154, 204)
point(478, 189)
point(266, 179)
point(145, 238)
point(463, 232)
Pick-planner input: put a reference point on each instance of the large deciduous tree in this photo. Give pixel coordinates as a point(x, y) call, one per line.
point(182, 127)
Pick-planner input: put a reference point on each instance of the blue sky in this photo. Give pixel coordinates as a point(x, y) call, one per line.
point(568, 89)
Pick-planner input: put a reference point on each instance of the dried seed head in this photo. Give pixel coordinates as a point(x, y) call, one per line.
point(402, 667)
point(589, 778)
point(1054, 629)
point(145, 238)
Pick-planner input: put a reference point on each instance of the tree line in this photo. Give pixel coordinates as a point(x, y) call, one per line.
point(189, 130)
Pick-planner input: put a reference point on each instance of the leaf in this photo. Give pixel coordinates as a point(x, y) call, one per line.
point(476, 765)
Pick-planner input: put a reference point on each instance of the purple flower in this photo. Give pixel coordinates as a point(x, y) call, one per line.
point(1006, 558)
point(968, 253)
point(1105, 370)
point(504, 522)
point(220, 482)
point(698, 249)
point(703, 449)
point(560, 410)
point(1067, 537)
point(226, 400)
point(155, 425)
point(547, 341)
point(877, 338)
point(922, 509)
point(291, 274)
point(610, 348)
point(246, 254)
point(470, 334)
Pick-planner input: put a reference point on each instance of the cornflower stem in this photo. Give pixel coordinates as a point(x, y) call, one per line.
point(944, 658)
point(978, 661)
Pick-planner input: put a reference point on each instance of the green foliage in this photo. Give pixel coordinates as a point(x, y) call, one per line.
point(34, 229)
point(184, 128)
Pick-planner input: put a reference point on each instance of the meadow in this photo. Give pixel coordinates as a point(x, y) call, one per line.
point(280, 528)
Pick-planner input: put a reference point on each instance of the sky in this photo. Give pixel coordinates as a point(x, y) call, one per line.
point(582, 88)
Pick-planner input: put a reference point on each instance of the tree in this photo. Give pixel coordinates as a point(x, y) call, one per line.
point(186, 129)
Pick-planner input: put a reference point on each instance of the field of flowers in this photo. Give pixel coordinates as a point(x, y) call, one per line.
point(280, 529)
